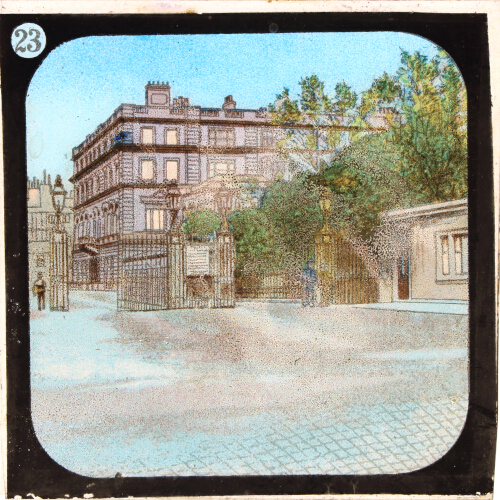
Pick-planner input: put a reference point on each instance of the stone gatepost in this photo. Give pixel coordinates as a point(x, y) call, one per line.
point(224, 269)
point(59, 271)
point(176, 262)
point(324, 253)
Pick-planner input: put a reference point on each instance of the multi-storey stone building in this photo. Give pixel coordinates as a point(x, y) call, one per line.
point(122, 169)
point(41, 224)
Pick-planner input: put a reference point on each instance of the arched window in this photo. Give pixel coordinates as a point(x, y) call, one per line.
point(105, 220)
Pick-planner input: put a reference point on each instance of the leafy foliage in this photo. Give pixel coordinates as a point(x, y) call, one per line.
point(363, 184)
point(309, 145)
point(285, 111)
point(383, 90)
point(313, 100)
point(345, 98)
point(420, 158)
point(292, 211)
point(201, 223)
point(253, 237)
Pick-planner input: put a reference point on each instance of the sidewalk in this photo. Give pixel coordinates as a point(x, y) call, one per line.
point(460, 307)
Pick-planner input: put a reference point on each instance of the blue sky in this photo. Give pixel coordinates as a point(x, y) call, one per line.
point(82, 82)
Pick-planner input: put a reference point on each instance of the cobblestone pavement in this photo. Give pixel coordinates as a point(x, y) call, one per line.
point(386, 439)
point(261, 389)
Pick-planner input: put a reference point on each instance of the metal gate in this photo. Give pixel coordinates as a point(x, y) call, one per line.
point(159, 271)
point(344, 277)
point(143, 272)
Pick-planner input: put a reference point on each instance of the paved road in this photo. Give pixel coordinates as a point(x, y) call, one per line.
point(265, 388)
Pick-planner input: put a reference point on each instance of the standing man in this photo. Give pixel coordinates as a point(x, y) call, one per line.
point(39, 289)
point(309, 279)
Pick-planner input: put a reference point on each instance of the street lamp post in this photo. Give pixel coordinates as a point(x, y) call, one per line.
point(225, 256)
point(223, 203)
point(325, 204)
point(173, 206)
point(59, 253)
point(176, 261)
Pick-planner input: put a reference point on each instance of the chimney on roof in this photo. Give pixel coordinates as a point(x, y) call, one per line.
point(158, 94)
point(229, 103)
point(180, 102)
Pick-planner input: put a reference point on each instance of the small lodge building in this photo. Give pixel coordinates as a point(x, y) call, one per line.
point(427, 255)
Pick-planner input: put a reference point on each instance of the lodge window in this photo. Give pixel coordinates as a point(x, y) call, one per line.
point(147, 135)
point(171, 137)
point(221, 137)
point(171, 170)
point(452, 256)
point(155, 219)
point(445, 255)
point(147, 170)
point(461, 244)
point(222, 168)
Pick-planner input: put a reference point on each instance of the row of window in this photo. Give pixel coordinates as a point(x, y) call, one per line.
point(148, 136)
point(216, 137)
point(99, 182)
point(220, 137)
point(171, 169)
point(453, 253)
point(97, 227)
point(99, 148)
point(170, 173)
point(102, 181)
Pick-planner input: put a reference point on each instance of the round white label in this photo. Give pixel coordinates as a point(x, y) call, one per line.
point(28, 40)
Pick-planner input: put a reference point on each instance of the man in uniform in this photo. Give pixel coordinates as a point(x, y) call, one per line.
point(309, 279)
point(39, 290)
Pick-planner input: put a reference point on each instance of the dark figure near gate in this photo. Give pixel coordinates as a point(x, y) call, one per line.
point(309, 279)
point(39, 290)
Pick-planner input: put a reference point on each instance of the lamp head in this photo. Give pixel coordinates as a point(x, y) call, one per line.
point(325, 200)
point(173, 195)
point(58, 194)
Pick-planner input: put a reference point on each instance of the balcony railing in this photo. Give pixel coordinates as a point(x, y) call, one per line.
point(233, 113)
point(210, 112)
point(95, 242)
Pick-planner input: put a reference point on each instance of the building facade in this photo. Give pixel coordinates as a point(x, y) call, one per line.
point(121, 170)
point(41, 224)
point(430, 249)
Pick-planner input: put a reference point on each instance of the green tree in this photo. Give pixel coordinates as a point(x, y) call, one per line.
point(201, 223)
point(292, 211)
point(253, 239)
point(432, 137)
point(345, 98)
point(427, 106)
point(284, 110)
point(317, 132)
point(363, 184)
point(384, 90)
